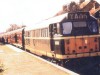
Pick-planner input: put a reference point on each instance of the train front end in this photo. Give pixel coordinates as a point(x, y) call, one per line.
point(76, 36)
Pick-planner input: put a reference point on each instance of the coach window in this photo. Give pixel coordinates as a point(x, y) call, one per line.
point(33, 33)
point(25, 34)
point(39, 33)
point(42, 32)
point(28, 41)
point(46, 30)
point(28, 34)
point(58, 28)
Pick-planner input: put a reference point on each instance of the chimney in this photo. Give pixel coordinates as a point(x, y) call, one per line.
point(81, 1)
point(64, 7)
point(92, 0)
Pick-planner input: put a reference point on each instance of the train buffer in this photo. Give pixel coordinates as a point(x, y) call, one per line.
point(18, 62)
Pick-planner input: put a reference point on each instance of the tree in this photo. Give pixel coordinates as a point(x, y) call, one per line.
point(14, 27)
point(73, 7)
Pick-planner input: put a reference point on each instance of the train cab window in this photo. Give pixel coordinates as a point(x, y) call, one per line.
point(67, 27)
point(93, 26)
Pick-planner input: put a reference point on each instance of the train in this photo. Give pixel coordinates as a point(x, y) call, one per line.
point(71, 39)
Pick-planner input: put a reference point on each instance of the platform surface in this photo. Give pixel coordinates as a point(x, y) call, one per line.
point(19, 62)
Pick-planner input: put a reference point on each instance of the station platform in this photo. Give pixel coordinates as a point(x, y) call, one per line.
point(19, 62)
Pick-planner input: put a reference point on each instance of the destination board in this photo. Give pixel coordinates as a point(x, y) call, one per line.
point(78, 16)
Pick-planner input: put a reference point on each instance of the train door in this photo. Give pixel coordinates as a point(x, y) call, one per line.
point(16, 38)
point(51, 37)
point(55, 43)
point(23, 39)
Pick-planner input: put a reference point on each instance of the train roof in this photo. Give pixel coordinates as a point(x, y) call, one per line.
point(68, 16)
point(47, 22)
point(14, 31)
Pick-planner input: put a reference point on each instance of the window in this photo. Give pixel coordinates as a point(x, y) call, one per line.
point(58, 28)
point(93, 26)
point(46, 32)
point(67, 27)
point(79, 24)
point(28, 34)
point(33, 33)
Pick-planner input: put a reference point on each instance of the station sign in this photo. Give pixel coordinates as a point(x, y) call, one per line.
point(78, 16)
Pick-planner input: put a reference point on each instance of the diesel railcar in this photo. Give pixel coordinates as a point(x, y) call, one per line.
point(68, 36)
point(65, 38)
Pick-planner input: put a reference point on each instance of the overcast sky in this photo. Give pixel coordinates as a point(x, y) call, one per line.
point(27, 12)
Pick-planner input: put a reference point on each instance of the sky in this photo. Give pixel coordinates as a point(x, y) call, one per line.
point(28, 12)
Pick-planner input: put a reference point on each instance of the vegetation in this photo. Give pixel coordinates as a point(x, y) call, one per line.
point(14, 27)
point(1, 68)
point(73, 7)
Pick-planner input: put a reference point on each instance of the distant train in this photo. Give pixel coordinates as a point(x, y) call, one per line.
point(68, 37)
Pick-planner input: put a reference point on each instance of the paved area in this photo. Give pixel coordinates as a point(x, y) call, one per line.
point(18, 62)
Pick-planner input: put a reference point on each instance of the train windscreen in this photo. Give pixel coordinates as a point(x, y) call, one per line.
point(67, 28)
point(80, 28)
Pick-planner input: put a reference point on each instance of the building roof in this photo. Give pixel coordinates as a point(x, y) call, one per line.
point(91, 5)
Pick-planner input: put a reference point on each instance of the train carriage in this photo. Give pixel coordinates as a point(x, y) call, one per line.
point(67, 39)
point(2, 38)
point(15, 37)
point(71, 35)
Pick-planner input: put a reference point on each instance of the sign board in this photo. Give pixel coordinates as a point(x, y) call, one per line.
point(78, 16)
